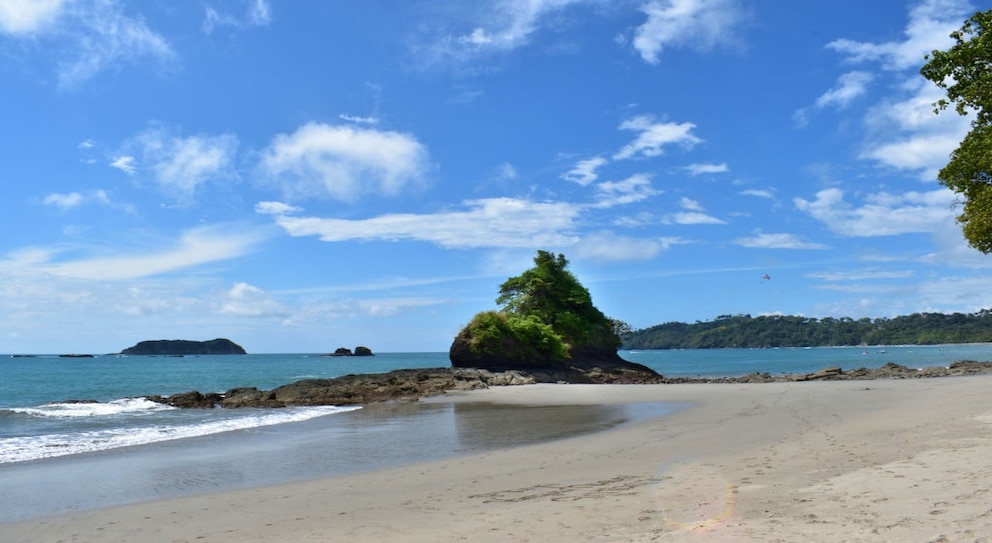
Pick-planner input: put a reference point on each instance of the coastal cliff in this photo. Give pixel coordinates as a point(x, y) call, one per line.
point(165, 347)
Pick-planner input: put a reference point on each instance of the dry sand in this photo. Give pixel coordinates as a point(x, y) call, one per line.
point(890, 460)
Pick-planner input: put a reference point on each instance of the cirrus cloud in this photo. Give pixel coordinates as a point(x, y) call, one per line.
point(881, 214)
point(179, 164)
point(21, 17)
point(699, 24)
point(485, 223)
point(777, 241)
point(653, 136)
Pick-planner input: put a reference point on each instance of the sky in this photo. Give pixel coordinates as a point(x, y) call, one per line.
point(303, 175)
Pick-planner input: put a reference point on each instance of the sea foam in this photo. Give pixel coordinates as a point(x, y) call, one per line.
point(36, 447)
point(79, 409)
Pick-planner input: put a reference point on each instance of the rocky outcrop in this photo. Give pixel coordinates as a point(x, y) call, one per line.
point(589, 365)
point(184, 347)
point(193, 399)
point(888, 371)
point(344, 351)
point(417, 383)
point(352, 389)
point(897, 371)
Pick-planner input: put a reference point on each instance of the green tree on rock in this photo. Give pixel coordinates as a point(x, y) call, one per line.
point(551, 293)
point(545, 316)
point(965, 72)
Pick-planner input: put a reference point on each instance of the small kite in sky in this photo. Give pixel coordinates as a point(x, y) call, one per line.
point(766, 277)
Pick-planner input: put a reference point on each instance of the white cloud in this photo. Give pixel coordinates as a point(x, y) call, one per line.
point(881, 214)
point(633, 189)
point(653, 136)
point(608, 246)
point(699, 24)
point(64, 201)
point(275, 208)
point(758, 193)
point(849, 86)
point(907, 135)
point(508, 26)
point(699, 169)
point(257, 13)
point(902, 132)
point(505, 172)
point(343, 162)
point(181, 164)
point(486, 223)
point(107, 38)
point(584, 171)
point(76, 199)
point(249, 301)
point(694, 214)
point(636, 220)
point(691, 218)
point(860, 275)
point(99, 35)
point(930, 25)
point(29, 16)
point(951, 248)
point(195, 247)
point(124, 163)
point(777, 241)
point(357, 119)
point(690, 204)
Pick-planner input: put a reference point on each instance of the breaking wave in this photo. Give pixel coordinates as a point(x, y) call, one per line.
point(129, 422)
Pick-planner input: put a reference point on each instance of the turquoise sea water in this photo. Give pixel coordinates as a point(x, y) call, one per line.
point(37, 422)
point(124, 448)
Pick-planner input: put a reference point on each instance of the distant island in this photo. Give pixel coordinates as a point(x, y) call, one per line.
point(344, 351)
point(165, 347)
point(745, 331)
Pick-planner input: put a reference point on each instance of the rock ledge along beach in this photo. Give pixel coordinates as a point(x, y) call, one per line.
point(412, 384)
point(824, 461)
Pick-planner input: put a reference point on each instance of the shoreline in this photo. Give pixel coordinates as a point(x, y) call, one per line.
point(377, 436)
point(883, 460)
point(414, 384)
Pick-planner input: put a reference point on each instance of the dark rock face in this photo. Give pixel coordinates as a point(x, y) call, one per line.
point(417, 383)
point(344, 351)
point(897, 371)
point(888, 371)
point(183, 347)
point(351, 389)
point(398, 384)
point(192, 399)
point(587, 365)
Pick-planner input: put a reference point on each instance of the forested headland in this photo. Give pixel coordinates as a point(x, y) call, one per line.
point(745, 331)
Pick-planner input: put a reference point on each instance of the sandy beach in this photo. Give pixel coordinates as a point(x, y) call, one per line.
point(887, 460)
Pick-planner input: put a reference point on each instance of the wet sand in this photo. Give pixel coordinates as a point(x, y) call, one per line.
point(887, 460)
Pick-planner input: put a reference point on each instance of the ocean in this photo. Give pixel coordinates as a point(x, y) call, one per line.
point(59, 452)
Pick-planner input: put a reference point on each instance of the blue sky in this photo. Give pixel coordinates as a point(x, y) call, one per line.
point(303, 175)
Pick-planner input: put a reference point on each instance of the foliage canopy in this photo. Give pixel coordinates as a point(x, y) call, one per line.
point(550, 292)
point(964, 71)
point(744, 331)
point(547, 310)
